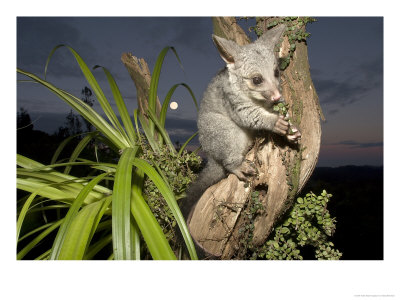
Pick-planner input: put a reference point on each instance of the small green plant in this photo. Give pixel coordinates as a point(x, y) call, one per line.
point(179, 171)
point(283, 110)
point(295, 32)
point(308, 223)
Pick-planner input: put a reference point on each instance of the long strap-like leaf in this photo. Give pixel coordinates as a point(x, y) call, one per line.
point(77, 236)
point(93, 84)
point(150, 229)
point(79, 148)
point(167, 99)
point(123, 111)
point(127, 197)
point(155, 76)
point(72, 212)
point(121, 206)
point(84, 110)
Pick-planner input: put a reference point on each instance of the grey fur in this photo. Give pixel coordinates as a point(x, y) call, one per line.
point(234, 108)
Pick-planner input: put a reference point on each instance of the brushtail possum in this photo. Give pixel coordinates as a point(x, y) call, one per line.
point(237, 104)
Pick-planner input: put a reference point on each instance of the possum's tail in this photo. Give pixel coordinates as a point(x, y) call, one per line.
point(211, 174)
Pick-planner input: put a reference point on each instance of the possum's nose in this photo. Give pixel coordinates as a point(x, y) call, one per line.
point(276, 96)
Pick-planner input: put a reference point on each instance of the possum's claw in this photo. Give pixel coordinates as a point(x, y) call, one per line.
point(295, 137)
point(246, 169)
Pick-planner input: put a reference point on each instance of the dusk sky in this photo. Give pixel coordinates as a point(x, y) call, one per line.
point(346, 59)
point(345, 54)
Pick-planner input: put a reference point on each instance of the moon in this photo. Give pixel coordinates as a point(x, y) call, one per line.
point(173, 105)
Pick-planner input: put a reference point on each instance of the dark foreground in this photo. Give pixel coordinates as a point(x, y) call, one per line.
point(357, 204)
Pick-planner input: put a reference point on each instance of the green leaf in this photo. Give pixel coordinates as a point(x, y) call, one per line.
point(84, 110)
point(135, 231)
point(162, 131)
point(155, 76)
point(147, 223)
point(187, 142)
point(61, 147)
point(123, 111)
point(79, 148)
point(40, 228)
point(72, 212)
point(150, 136)
point(21, 254)
point(77, 234)
point(167, 99)
point(121, 206)
point(95, 248)
point(285, 230)
point(94, 86)
point(24, 210)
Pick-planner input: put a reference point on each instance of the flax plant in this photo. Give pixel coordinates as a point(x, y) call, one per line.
point(117, 214)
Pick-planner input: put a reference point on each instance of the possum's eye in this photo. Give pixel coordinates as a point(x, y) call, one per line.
point(276, 72)
point(257, 80)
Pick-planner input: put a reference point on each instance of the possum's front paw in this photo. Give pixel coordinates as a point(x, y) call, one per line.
point(247, 168)
point(281, 126)
point(294, 135)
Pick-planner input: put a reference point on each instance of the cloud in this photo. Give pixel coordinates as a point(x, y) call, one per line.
point(181, 129)
point(37, 36)
point(180, 32)
point(354, 144)
point(350, 86)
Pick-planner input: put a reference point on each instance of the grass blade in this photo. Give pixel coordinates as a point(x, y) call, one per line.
point(162, 131)
point(121, 224)
point(149, 227)
point(77, 236)
point(149, 136)
point(44, 255)
point(24, 211)
point(167, 99)
point(30, 168)
point(84, 110)
point(44, 190)
point(93, 84)
point(123, 111)
point(187, 142)
point(21, 254)
point(40, 179)
point(104, 207)
point(99, 245)
point(61, 147)
point(72, 212)
point(40, 228)
point(78, 149)
point(135, 118)
point(135, 231)
point(155, 76)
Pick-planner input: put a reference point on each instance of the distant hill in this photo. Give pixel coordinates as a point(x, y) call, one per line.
point(357, 204)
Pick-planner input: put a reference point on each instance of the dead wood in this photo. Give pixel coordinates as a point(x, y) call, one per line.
point(283, 168)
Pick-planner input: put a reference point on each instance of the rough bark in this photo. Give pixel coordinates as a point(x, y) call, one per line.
point(283, 168)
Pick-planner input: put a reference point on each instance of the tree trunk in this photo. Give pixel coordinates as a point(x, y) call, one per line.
point(223, 211)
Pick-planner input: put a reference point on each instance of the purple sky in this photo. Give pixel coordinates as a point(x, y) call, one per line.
point(346, 59)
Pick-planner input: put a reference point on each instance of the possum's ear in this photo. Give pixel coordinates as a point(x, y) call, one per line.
point(227, 49)
point(271, 37)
